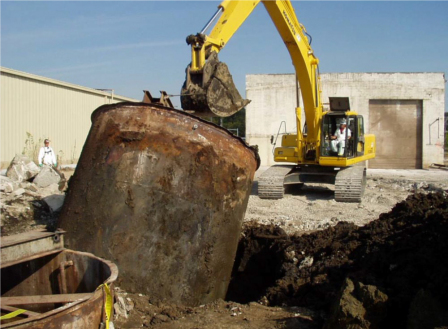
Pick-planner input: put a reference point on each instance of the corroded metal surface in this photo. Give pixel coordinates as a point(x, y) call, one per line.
point(163, 194)
point(35, 282)
point(28, 245)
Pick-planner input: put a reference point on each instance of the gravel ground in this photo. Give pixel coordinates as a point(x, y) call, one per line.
point(301, 211)
point(313, 206)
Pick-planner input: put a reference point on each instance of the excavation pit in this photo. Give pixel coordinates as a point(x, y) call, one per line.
point(393, 269)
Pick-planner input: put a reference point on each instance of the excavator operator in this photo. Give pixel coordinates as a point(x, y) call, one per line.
point(338, 139)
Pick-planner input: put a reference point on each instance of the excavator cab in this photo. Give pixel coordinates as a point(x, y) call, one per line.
point(357, 147)
point(354, 142)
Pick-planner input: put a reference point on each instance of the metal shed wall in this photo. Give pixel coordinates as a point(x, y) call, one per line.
point(33, 108)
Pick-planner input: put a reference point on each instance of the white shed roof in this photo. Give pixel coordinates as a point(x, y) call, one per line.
point(64, 84)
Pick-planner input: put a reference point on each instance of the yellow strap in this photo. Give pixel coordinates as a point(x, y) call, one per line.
point(12, 314)
point(108, 304)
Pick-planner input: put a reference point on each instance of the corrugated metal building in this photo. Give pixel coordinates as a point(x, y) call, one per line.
point(34, 108)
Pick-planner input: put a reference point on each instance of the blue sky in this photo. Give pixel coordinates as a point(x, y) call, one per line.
point(131, 46)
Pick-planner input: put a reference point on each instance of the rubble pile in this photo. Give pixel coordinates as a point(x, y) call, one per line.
point(390, 273)
point(31, 197)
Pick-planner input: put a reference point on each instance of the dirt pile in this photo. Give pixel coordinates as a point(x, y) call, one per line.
point(389, 273)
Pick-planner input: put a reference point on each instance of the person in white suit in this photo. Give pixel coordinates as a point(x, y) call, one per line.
point(47, 155)
point(338, 139)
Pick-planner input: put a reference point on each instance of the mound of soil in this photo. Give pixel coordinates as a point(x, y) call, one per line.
point(390, 273)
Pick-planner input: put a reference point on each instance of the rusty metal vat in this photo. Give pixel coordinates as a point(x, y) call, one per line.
point(56, 288)
point(163, 194)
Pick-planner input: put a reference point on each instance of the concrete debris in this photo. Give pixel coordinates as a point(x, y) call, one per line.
point(22, 168)
point(54, 202)
point(19, 191)
point(46, 177)
point(123, 306)
point(26, 206)
point(7, 185)
point(120, 308)
point(307, 262)
point(49, 190)
point(32, 187)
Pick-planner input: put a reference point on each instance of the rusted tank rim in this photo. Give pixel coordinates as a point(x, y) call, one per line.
point(73, 305)
point(108, 107)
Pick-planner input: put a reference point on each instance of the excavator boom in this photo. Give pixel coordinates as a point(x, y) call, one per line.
point(209, 89)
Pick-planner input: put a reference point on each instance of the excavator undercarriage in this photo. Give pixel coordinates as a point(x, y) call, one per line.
point(349, 182)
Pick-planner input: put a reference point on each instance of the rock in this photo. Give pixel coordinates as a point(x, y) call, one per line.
point(32, 194)
point(307, 262)
point(347, 312)
point(119, 311)
point(358, 306)
point(49, 190)
point(32, 187)
point(434, 188)
point(22, 168)
point(159, 318)
point(24, 184)
point(46, 177)
point(426, 312)
point(7, 185)
point(19, 191)
point(54, 202)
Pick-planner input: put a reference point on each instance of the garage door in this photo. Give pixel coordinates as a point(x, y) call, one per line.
point(397, 125)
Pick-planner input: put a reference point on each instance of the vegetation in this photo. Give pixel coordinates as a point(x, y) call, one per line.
point(235, 123)
point(31, 148)
point(446, 141)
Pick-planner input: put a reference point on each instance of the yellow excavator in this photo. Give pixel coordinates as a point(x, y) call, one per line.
point(332, 144)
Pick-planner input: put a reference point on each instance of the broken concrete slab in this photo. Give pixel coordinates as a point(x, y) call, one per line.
point(22, 168)
point(54, 202)
point(32, 187)
point(46, 177)
point(32, 194)
point(49, 190)
point(7, 185)
point(19, 191)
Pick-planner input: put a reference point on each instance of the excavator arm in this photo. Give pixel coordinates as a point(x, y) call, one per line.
point(209, 89)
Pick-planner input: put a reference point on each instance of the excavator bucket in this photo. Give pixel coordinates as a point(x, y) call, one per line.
point(211, 93)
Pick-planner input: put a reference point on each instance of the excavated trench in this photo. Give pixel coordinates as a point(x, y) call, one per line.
point(391, 273)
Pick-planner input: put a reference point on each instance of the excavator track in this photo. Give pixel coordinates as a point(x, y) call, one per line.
point(350, 184)
point(270, 183)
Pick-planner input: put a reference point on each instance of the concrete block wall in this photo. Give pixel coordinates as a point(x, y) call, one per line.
point(274, 100)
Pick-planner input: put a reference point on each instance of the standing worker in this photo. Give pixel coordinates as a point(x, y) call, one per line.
point(47, 155)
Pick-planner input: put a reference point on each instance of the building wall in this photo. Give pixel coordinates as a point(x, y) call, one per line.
point(34, 108)
point(274, 100)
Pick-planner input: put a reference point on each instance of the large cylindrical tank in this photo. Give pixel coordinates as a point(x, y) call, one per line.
point(162, 194)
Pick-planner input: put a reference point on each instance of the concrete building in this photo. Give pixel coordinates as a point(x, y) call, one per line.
point(34, 108)
point(404, 110)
